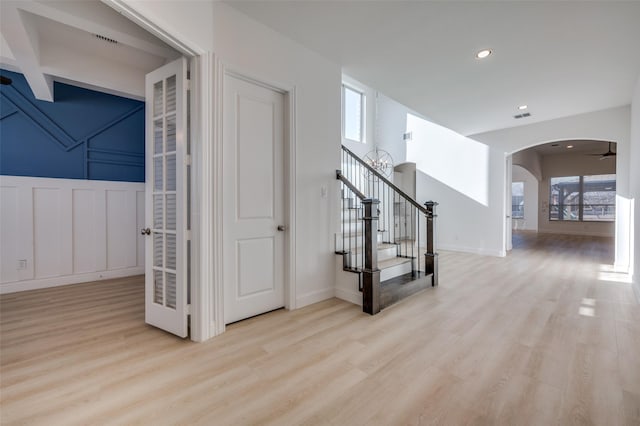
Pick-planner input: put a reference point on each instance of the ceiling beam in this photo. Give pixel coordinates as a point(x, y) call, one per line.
point(22, 38)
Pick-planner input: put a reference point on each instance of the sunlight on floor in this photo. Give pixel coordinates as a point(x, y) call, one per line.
point(608, 273)
point(587, 307)
point(585, 311)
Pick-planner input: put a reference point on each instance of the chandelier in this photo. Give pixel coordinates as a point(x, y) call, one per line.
point(381, 161)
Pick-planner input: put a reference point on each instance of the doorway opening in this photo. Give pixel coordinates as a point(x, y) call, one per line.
point(564, 188)
point(107, 52)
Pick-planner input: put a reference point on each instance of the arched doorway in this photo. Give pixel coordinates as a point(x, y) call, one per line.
point(568, 187)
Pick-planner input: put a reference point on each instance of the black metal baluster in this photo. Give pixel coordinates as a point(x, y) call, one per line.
point(349, 229)
point(418, 236)
point(413, 238)
point(342, 213)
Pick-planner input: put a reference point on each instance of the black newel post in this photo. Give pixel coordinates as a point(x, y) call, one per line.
point(431, 257)
point(370, 273)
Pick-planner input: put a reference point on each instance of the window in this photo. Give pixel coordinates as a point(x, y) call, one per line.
point(599, 198)
point(353, 103)
point(517, 200)
point(583, 198)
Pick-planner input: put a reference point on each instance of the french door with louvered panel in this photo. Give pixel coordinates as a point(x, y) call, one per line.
point(166, 264)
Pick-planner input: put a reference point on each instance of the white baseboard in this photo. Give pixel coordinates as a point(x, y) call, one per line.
point(314, 297)
point(16, 286)
point(473, 250)
point(349, 296)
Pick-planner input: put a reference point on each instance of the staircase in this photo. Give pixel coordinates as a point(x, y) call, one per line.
point(384, 236)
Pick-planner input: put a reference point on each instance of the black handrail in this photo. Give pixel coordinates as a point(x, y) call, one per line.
point(385, 180)
point(349, 185)
point(375, 211)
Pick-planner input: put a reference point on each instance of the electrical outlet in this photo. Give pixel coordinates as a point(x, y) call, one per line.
point(22, 264)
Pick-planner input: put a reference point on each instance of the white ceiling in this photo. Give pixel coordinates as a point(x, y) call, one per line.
point(559, 58)
point(579, 146)
point(57, 40)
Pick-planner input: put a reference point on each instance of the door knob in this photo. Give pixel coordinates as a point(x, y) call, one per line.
point(282, 228)
point(145, 231)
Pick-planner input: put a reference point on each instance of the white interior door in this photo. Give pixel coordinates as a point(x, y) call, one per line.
point(165, 190)
point(253, 194)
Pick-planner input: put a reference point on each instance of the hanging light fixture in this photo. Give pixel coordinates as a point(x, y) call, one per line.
point(381, 161)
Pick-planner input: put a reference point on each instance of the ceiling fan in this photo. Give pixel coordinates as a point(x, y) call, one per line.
point(607, 154)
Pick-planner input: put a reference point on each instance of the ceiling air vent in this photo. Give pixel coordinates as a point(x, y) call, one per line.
point(107, 39)
point(526, 114)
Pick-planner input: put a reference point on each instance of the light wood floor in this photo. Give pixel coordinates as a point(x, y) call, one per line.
point(534, 338)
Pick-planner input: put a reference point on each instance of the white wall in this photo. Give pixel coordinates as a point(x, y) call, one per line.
point(68, 231)
point(634, 157)
point(607, 125)
point(248, 47)
point(530, 160)
point(530, 220)
point(452, 170)
point(572, 165)
point(464, 224)
point(391, 125)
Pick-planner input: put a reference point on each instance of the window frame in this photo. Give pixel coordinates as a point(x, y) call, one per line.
point(363, 113)
point(581, 204)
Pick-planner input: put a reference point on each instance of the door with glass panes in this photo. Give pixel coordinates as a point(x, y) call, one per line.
point(166, 260)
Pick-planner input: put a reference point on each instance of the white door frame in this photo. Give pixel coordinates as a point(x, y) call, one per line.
point(204, 232)
point(221, 71)
point(508, 220)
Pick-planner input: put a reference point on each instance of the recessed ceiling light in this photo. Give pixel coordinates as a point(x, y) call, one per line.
point(483, 53)
point(521, 107)
point(569, 146)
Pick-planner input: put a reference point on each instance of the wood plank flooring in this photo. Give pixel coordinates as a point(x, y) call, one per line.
point(544, 336)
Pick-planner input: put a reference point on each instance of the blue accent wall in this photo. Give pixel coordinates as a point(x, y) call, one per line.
point(84, 134)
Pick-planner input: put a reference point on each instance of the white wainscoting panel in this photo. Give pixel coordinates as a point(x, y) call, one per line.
point(84, 238)
point(8, 233)
point(47, 232)
point(64, 231)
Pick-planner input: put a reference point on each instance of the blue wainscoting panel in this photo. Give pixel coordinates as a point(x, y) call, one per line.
point(84, 134)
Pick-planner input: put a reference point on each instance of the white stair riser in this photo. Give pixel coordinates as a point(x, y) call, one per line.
point(352, 242)
point(395, 271)
point(384, 253)
point(350, 227)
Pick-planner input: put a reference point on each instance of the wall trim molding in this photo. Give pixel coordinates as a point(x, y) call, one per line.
point(16, 286)
point(315, 297)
